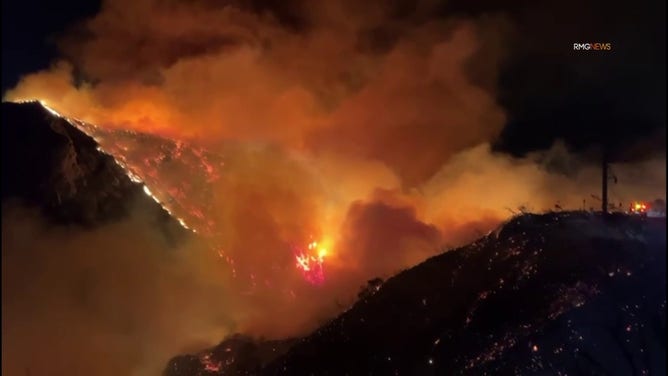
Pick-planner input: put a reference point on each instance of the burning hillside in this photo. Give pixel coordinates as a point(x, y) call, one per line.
point(68, 176)
point(561, 293)
point(265, 134)
point(275, 216)
point(289, 251)
point(93, 269)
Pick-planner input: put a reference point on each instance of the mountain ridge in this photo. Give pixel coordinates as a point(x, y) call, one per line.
point(558, 293)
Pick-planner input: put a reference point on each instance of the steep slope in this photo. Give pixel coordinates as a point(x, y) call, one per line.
point(560, 293)
point(50, 164)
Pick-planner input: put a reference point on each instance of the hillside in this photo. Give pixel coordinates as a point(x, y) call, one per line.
point(49, 164)
point(557, 294)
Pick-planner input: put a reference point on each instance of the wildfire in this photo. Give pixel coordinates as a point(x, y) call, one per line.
point(114, 145)
point(154, 162)
point(310, 262)
point(638, 208)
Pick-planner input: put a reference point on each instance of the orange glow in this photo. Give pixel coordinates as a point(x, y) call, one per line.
point(311, 262)
point(638, 207)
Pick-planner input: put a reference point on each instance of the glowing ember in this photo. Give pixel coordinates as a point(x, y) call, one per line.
point(310, 263)
point(160, 163)
point(209, 364)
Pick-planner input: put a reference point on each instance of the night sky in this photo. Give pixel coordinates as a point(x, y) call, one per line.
point(548, 90)
point(30, 30)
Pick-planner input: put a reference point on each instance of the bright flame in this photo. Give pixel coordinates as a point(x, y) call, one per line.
point(638, 207)
point(311, 261)
point(51, 110)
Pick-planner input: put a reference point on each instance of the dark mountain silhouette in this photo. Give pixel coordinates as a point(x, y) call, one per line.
point(552, 294)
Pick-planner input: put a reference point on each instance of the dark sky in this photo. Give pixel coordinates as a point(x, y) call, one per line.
point(549, 91)
point(29, 29)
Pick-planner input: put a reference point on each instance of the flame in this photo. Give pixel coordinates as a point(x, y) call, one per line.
point(638, 207)
point(311, 262)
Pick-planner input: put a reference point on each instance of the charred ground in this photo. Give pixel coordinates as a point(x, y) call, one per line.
point(559, 293)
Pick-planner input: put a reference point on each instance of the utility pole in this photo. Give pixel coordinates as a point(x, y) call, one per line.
point(604, 188)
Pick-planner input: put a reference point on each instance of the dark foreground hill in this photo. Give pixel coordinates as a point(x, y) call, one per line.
point(553, 294)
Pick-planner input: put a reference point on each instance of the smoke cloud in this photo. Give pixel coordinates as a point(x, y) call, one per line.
point(110, 301)
point(230, 74)
point(362, 126)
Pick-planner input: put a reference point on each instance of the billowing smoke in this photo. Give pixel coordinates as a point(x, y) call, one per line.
point(359, 126)
point(231, 74)
point(110, 301)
